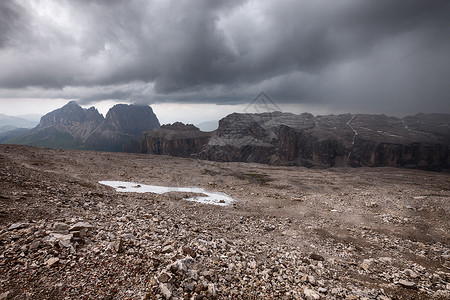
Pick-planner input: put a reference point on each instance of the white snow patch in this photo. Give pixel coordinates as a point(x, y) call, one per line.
point(390, 134)
point(215, 198)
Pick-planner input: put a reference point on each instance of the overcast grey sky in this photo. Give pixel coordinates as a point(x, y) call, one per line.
point(378, 56)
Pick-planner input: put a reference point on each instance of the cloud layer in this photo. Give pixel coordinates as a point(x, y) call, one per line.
point(373, 55)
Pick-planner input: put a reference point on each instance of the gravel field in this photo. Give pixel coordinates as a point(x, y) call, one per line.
point(293, 233)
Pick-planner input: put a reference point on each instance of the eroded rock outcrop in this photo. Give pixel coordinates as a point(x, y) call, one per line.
point(175, 139)
point(420, 141)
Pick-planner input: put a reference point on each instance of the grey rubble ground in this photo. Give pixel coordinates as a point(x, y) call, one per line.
point(296, 233)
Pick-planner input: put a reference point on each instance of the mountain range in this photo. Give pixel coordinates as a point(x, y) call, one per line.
point(421, 141)
point(8, 123)
point(73, 127)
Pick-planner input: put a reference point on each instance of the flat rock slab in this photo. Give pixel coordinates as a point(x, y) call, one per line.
point(18, 226)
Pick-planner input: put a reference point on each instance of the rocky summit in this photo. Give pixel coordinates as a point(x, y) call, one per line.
point(421, 141)
point(72, 127)
point(293, 233)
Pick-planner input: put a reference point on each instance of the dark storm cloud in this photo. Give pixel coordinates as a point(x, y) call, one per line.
point(11, 21)
point(366, 54)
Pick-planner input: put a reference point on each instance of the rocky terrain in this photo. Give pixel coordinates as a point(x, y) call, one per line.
point(72, 127)
point(421, 141)
point(294, 233)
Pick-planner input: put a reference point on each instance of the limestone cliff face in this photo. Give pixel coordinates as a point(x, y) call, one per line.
point(420, 141)
point(122, 128)
point(131, 119)
point(420, 155)
point(177, 139)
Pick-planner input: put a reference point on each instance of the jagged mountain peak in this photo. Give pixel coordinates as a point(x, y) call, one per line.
point(72, 103)
point(82, 128)
point(68, 115)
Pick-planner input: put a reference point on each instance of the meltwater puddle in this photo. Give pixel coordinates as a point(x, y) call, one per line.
point(215, 198)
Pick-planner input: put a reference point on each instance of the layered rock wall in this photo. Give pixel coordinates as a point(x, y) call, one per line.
point(177, 139)
point(420, 141)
